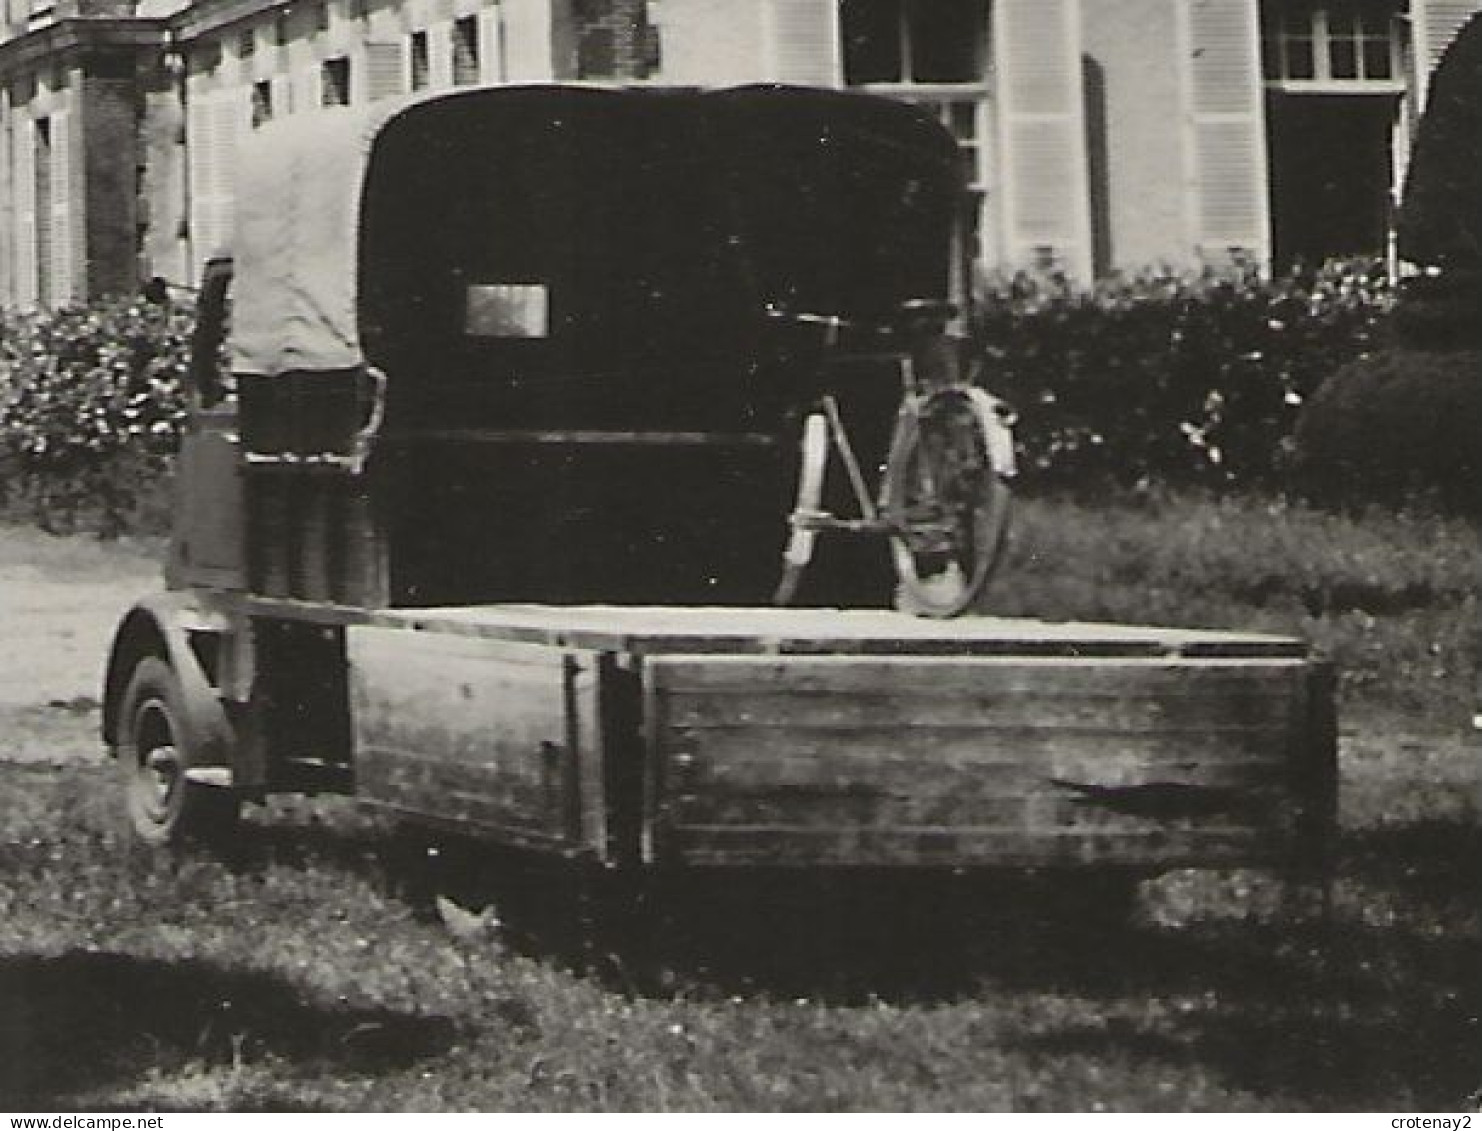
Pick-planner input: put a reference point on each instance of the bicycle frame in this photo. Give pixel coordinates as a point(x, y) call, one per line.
point(970, 528)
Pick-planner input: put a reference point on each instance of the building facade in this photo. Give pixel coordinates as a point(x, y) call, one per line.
point(1097, 135)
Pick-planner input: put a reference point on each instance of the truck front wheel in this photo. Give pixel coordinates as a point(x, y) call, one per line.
point(164, 806)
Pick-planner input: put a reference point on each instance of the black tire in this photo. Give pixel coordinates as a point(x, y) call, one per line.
point(163, 807)
point(942, 484)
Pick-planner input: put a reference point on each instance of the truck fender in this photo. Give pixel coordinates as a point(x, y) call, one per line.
point(163, 625)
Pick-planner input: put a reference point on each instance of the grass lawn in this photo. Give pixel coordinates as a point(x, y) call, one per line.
point(311, 969)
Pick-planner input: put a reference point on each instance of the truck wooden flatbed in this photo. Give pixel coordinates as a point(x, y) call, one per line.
point(689, 737)
point(819, 737)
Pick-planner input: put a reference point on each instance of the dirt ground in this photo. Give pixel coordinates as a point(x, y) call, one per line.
point(60, 600)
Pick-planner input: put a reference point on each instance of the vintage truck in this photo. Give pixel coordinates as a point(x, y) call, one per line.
point(510, 410)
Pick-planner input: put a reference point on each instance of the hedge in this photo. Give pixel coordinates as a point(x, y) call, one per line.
point(1157, 379)
point(1399, 425)
point(1170, 379)
point(92, 404)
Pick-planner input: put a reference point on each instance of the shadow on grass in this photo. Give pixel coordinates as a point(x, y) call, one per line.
point(1378, 1006)
point(845, 935)
point(81, 1020)
point(1381, 1009)
point(1370, 1019)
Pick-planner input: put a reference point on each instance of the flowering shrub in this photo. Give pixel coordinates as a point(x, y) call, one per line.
point(1171, 379)
point(92, 403)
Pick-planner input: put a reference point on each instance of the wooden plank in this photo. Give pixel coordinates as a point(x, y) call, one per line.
point(989, 679)
point(500, 735)
point(527, 786)
point(966, 769)
point(825, 634)
point(1260, 811)
point(989, 846)
point(647, 630)
point(462, 793)
point(769, 709)
point(1045, 750)
point(472, 823)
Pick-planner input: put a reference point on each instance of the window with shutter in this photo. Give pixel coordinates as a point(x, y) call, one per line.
point(803, 41)
point(1045, 186)
point(1226, 127)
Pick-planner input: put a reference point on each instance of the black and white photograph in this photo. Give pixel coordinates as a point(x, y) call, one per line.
point(729, 556)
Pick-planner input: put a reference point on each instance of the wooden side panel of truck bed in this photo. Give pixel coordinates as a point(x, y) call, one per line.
point(1041, 748)
point(982, 760)
point(501, 738)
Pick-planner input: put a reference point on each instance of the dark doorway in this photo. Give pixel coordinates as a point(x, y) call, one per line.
point(1330, 175)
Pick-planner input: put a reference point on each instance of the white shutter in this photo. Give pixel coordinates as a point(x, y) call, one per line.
point(1436, 24)
point(24, 166)
point(385, 70)
point(214, 121)
point(528, 33)
point(1226, 130)
point(200, 151)
point(65, 220)
point(1045, 188)
point(233, 111)
point(307, 86)
point(803, 42)
point(7, 210)
point(491, 46)
point(439, 55)
point(282, 89)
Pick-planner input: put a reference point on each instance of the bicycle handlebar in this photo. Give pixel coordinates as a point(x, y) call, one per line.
point(913, 315)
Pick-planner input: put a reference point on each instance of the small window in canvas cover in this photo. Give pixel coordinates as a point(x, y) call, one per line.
point(507, 310)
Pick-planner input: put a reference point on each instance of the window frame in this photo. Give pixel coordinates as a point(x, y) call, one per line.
point(419, 60)
point(466, 50)
point(1317, 29)
point(336, 78)
point(946, 100)
point(261, 97)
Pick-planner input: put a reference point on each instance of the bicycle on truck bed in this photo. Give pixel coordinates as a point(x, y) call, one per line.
point(942, 497)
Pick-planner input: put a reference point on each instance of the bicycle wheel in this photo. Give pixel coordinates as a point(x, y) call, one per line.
point(800, 543)
point(944, 491)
